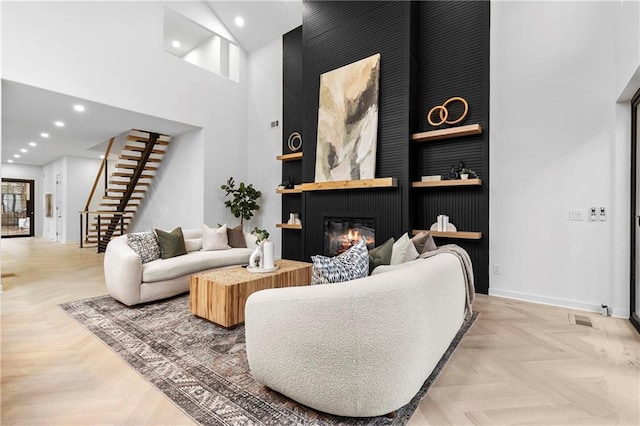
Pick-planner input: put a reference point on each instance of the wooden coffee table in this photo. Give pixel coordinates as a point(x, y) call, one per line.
point(219, 295)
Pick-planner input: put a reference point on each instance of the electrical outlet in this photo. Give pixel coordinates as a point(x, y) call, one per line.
point(496, 269)
point(592, 213)
point(576, 214)
point(603, 214)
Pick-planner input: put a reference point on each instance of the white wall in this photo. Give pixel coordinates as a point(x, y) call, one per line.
point(18, 171)
point(265, 105)
point(174, 197)
point(80, 174)
point(49, 173)
point(112, 52)
point(554, 148)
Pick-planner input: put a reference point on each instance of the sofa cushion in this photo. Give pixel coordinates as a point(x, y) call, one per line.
point(235, 237)
point(193, 244)
point(171, 243)
point(196, 261)
point(145, 244)
point(352, 264)
point(214, 238)
point(380, 255)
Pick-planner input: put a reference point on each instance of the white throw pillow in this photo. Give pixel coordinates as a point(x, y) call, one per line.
point(412, 253)
point(214, 238)
point(400, 249)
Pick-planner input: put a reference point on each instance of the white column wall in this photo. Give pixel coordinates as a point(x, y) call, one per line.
point(265, 106)
point(553, 148)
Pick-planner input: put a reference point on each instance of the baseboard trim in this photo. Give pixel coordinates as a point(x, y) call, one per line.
point(635, 321)
point(553, 301)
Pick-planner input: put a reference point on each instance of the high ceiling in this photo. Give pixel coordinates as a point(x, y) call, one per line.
point(29, 111)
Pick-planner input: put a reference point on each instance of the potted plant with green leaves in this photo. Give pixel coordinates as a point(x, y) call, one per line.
point(466, 173)
point(243, 202)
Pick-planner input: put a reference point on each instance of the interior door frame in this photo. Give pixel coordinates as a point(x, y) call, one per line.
point(635, 107)
point(31, 206)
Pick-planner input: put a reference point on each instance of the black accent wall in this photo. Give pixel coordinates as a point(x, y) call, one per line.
point(429, 51)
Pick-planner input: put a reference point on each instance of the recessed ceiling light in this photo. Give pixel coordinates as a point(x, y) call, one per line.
point(16, 155)
point(176, 44)
point(44, 135)
point(9, 161)
point(78, 107)
point(239, 21)
point(23, 150)
point(59, 123)
point(32, 144)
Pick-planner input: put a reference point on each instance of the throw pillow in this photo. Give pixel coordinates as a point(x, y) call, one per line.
point(352, 264)
point(235, 237)
point(171, 243)
point(424, 242)
point(400, 248)
point(145, 244)
point(214, 238)
point(380, 255)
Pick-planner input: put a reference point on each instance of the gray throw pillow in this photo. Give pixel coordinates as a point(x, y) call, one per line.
point(145, 244)
point(171, 243)
point(235, 236)
point(424, 242)
point(352, 264)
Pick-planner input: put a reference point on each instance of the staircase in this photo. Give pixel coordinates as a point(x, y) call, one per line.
point(137, 164)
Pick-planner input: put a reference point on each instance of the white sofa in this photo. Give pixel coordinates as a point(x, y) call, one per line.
point(132, 282)
point(359, 348)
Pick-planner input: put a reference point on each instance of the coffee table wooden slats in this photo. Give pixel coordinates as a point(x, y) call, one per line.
point(219, 295)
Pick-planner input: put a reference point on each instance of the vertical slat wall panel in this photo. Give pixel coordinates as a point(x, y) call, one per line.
point(454, 61)
point(339, 33)
point(430, 51)
point(292, 119)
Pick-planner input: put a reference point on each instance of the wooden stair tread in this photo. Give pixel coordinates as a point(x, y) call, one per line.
point(135, 158)
point(123, 190)
point(145, 140)
point(114, 197)
point(133, 148)
point(115, 182)
point(130, 175)
point(133, 167)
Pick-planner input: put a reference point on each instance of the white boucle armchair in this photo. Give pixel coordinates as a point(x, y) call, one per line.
point(360, 348)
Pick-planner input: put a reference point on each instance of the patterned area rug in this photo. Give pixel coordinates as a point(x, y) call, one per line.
point(203, 368)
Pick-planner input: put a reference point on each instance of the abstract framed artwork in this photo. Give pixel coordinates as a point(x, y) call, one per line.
point(348, 122)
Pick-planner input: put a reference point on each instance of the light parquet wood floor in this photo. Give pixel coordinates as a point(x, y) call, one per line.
point(520, 363)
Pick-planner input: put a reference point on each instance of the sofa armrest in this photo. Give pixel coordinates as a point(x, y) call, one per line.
point(122, 271)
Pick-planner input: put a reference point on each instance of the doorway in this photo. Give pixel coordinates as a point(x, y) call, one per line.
point(18, 206)
point(635, 211)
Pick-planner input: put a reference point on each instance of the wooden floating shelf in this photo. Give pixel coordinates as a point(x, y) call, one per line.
point(453, 132)
point(450, 182)
point(351, 184)
point(463, 235)
point(288, 226)
point(290, 157)
point(296, 190)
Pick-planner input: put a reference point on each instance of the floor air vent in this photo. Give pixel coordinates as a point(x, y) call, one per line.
point(580, 320)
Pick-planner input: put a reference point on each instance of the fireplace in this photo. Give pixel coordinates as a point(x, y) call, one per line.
point(342, 233)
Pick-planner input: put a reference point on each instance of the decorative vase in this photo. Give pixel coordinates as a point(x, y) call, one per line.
point(464, 176)
point(256, 257)
point(267, 255)
point(294, 219)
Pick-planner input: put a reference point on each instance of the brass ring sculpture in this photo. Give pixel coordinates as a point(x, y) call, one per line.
point(292, 140)
point(443, 112)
